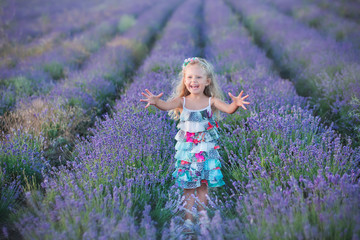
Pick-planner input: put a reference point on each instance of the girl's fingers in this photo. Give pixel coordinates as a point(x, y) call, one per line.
point(144, 100)
point(160, 95)
point(245, 96)
point(148, 92)
point(231, 95)
point(246, 102)
point(144, 94)
point(147, 105)
point(241, 93)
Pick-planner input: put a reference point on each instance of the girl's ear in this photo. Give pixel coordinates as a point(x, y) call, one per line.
point(208, 81)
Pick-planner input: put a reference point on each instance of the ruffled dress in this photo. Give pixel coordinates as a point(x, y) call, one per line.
point(197, 157)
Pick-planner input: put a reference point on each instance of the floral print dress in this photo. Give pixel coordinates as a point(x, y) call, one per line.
point(197, 157)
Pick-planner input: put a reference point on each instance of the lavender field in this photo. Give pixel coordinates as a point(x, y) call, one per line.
point(81, 158)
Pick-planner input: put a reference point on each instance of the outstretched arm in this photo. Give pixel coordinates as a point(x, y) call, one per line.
point(160, 104)
point(231, 108)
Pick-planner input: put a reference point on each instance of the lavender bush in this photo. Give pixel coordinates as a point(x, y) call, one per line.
point(322, 69)
point(9, 194)
point(325, 21)
point(142, 172)
point(323, 208)
point(256, 162)
point(281, 165)
point(42, 72)
point(347, 9)
point(19, 154)
point(20, 160)
point(27, 21)
point(54, 129)
point(91, 90)
point(107, 71)
point(19, 21)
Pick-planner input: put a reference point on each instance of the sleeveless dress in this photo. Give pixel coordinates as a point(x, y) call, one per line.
point(197, 157)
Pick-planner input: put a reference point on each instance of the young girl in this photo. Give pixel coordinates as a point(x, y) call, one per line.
point(196, 101)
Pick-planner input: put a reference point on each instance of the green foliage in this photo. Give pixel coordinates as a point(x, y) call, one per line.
point(74, 102)
point(56, 70)
point(8, 100)
point(21, 157)
point(340, 35)
point(151, 109)
point(126, 21)
point(118, 79)
point(8, 195)
point(315, 23)
point(353, 113)
point(161, 67)
point(21, 85)
point(45, 19)
point(139, 51)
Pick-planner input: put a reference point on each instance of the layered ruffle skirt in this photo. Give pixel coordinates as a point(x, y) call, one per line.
point(197, 157)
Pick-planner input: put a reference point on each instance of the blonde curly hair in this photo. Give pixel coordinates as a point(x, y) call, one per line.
point(212, 90)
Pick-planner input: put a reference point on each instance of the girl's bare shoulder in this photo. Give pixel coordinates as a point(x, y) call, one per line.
point(213, 100)
point(179, 101)
point(181, 104)
point(212, 103)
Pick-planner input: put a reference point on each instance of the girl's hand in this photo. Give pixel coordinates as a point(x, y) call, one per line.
point(151, 99)
point(239, 101)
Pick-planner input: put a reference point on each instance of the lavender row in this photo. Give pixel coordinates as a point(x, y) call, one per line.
point(22, 9)
point(59, 115)
point(244, 65)
point(88, 18)
point(347, 9)
point(220, 46)
point(107, 71)
point(142, 143)
point(169, 49)
point(270, 94)
point(49, 121)
point(322, 69)
point(277, 154)
point(14, 51)
point(35, 76)
point(120, 174)
point(122, 129)
point(32, 37)
point(325, 21)
point(70, 108)
point(132, 128)
point(22, 28)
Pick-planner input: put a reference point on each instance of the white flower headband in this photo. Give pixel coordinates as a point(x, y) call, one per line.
point(188, 60)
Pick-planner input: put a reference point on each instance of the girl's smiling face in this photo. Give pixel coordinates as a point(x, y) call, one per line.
point(196, 79)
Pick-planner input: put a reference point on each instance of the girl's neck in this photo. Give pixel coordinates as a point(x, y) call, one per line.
point(196, 96)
